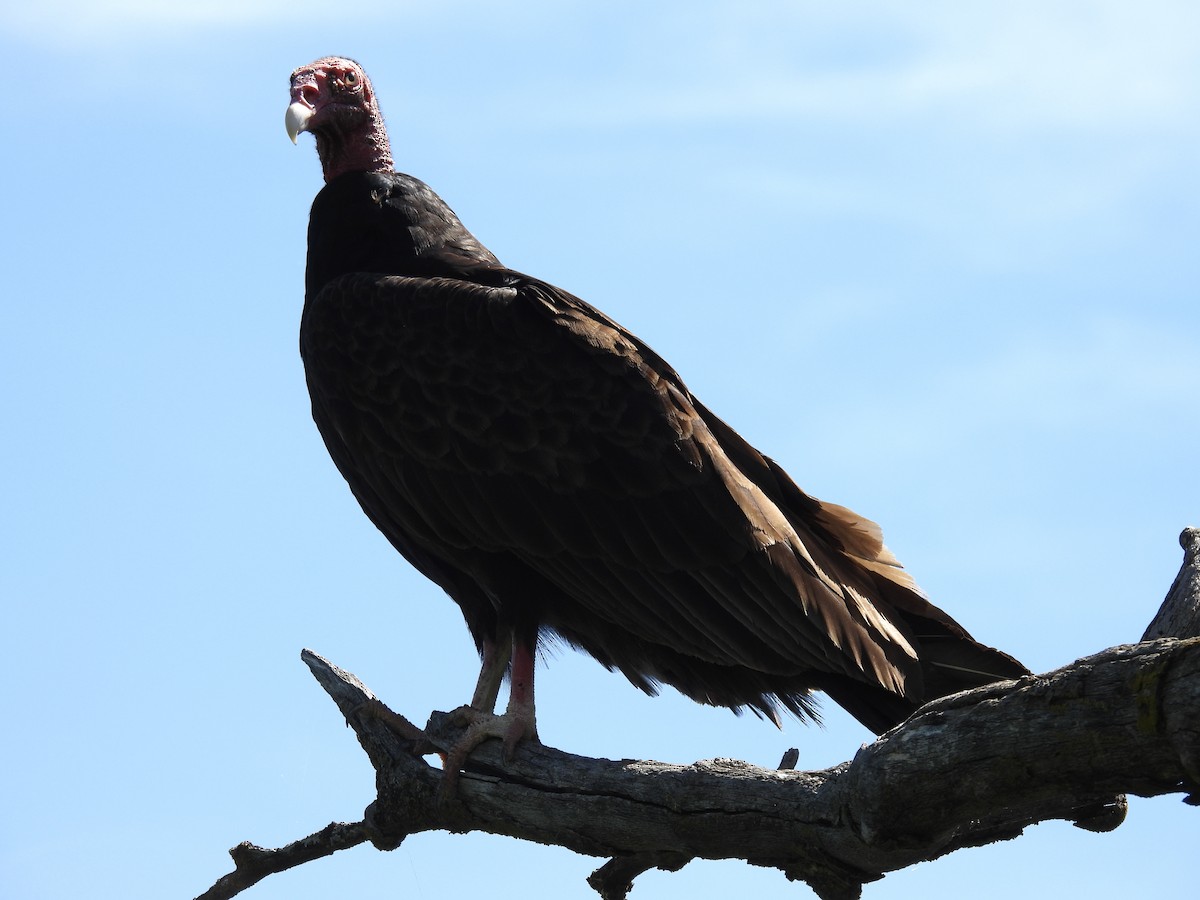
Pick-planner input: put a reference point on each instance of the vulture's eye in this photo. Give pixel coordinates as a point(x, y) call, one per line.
point(350, 78)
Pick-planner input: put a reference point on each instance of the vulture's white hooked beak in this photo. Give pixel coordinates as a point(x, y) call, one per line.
point(295, 120)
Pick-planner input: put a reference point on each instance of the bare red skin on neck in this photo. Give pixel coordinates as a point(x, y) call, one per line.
point(346, 121)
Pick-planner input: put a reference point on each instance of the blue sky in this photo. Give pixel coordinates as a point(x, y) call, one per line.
point(939, 262)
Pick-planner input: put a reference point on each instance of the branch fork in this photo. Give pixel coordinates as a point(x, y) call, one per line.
point(964, 770)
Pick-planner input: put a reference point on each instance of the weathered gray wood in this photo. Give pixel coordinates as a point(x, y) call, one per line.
point(253, 864)
point(968, 769)
point(1179, 615)
point(965, 770)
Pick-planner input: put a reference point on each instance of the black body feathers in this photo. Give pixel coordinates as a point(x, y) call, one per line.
point(552, 474)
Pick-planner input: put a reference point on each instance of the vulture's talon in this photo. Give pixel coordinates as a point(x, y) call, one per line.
point(374, 708)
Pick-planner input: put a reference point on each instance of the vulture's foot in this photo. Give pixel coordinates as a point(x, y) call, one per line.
point(376, 709)
point(515, 726)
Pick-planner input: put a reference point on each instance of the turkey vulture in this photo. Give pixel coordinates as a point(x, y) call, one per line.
point(557, 479)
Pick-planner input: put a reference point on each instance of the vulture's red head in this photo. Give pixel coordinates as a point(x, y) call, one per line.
point(333, 99)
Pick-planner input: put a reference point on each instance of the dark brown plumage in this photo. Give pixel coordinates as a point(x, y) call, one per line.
point(555, 476)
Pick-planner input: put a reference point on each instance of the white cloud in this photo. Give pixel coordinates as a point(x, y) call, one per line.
point(67, 21)
point(71, 24)
point(1065, 63)
point(1114, 371)
point(998, 65)
point(1109, 374)
point(1013, 209)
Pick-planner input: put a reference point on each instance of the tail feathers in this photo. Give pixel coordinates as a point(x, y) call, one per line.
point(949, 663)
point(876, 708)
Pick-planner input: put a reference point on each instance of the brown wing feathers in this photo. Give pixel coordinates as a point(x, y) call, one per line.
point(613, 487)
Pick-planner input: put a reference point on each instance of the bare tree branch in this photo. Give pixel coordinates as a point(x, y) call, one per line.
point(965, 770)
point(253, 864)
